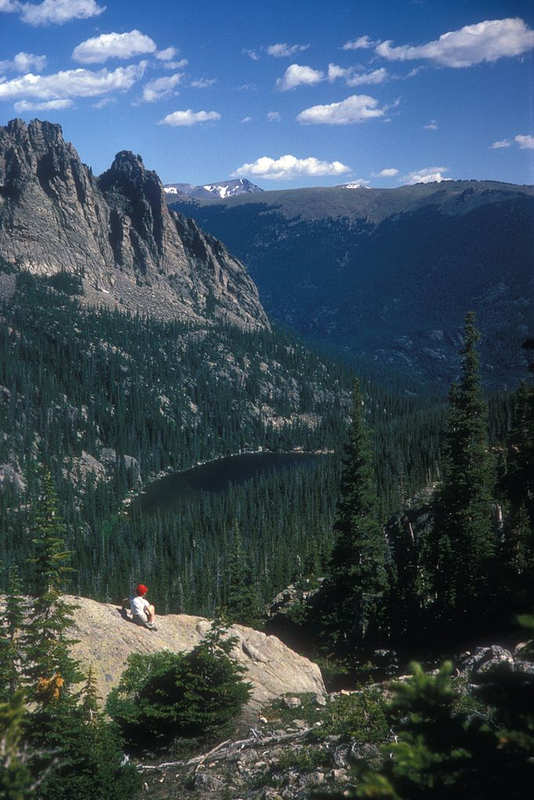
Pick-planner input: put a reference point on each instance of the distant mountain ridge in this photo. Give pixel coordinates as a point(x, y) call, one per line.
point(385, 276)
point(220, 190)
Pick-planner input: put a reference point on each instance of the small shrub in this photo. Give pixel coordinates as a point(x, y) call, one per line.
point(66, 282)
point(308, 710)
point(165, 695)
point(359, 716)
point(6, 267)
point(305, 759)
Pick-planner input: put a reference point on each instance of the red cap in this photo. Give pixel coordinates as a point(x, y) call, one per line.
point(141, 588)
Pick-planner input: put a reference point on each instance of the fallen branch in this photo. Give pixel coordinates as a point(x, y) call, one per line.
point(230, 748)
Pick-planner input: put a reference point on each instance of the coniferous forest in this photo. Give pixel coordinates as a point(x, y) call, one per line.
point(414, 524)
point(142, 397)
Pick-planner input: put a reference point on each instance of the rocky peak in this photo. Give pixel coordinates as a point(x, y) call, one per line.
point(115, 232)
point(40, 134)
point(36, 151)
point(128, 174)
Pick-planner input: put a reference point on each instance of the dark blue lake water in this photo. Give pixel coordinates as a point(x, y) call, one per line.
point(216, 476)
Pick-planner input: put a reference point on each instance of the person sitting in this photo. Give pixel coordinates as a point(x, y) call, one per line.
point(143, 612)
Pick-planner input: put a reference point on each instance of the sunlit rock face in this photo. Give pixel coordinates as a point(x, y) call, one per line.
point(106, 639)
point(115, 231)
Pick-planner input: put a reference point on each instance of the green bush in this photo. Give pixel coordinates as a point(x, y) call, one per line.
point(359, 716)
point(165, 695)
point(66, 282)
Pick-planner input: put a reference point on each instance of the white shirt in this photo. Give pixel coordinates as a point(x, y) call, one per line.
point(139, 607)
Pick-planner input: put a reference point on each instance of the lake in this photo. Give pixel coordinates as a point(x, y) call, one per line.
point(168, 493)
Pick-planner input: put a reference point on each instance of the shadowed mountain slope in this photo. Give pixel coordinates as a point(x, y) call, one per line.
point(386, 275)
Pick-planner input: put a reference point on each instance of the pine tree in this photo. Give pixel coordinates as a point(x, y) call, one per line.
point(449, 745)
point(358, 583)
point(89, 699)
point(50, 669)
point(242, 603)
point(464, 537)
point(11, 628)
point(15, 777)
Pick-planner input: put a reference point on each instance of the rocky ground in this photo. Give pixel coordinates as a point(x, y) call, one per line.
point(299, 745)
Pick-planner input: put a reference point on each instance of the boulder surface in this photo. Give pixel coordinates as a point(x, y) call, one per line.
point(106, 639)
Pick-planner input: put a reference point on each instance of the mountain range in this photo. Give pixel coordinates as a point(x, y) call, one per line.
point(384, 277)
point(218, 190)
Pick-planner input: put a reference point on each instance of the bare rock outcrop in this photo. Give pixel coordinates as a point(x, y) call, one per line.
point(106, 639)
point(115, 232)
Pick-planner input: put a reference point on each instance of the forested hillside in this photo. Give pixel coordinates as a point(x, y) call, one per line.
point(109, 401)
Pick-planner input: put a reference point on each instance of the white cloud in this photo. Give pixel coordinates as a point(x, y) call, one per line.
point(8, 6)
point(203, 83)
point(273, 116)
point(388, 172)
point(427, 175)
point(374, 77)
point(106, 101)
point(283, 50)
point(297, 75)
point(183, 62)
point(59, 11)
point(288, 166)
point(361, 43)
point(167, 54)
point(415, 71)
point(24, 62)
point(246, 119)
point(356, 108)
point(354, 78)
point(187, 118)
point(251, 54)
point(472, 44)
point(72, 83)
point(335, 72)
point(161, 87)
point(525, 142)
point(113, 45)
point(49, 105)
point(431, 126)
point(501, 144)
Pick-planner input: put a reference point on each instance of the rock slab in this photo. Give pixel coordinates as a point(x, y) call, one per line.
point(106, 640)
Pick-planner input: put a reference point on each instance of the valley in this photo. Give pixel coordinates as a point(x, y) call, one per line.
point(282, 460)
point(384, 277)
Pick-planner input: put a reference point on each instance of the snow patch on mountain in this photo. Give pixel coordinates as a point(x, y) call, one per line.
point(219, 189)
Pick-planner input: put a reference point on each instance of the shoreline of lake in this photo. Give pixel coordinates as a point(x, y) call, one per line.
point(134, 494)
point(216, 475)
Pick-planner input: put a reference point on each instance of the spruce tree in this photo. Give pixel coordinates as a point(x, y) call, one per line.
point(464, 537)
point(15, 777)
point(11, 628)
point(242, 603)
point(358, 583)
point(516, 548)
point(49, 669)
point(449, 745)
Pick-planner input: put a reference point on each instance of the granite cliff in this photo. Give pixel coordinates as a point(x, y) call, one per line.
point(115, 232)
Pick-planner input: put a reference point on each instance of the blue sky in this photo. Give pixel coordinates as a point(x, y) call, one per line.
point(285, 93)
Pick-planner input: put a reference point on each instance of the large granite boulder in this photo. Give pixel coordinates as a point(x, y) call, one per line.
point(106, 639)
